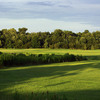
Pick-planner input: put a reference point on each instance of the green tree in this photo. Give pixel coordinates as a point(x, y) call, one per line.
point(35, 42)
point(22, 30)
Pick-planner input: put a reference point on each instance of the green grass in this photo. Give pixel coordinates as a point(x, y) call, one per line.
point(55, 51)
point(76, 80)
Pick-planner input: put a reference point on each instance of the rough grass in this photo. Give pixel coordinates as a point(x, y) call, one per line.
point(75, 80)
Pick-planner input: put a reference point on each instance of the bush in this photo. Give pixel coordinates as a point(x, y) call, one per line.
point(7, 59)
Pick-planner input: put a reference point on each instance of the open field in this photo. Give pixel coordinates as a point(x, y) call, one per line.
point(55, 51)
point(77, 80)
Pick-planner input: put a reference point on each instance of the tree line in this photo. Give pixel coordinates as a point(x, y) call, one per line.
point(11, 38)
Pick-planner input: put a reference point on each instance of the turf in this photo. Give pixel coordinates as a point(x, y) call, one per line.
point(77, 80)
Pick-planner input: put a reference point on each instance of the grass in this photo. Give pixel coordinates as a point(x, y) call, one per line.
point(75, 80)
point(55, 51)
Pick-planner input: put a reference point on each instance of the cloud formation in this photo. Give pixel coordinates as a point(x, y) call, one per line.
point(79, 11)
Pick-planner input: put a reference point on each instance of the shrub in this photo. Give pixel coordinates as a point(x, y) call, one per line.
point(7, 59)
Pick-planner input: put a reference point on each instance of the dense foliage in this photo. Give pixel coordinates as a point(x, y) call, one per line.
point(10, 38)
point(7, 59)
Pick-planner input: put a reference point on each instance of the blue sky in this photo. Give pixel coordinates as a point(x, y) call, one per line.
point(47, 15)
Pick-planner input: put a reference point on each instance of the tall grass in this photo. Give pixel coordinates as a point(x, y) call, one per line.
point(35, 96)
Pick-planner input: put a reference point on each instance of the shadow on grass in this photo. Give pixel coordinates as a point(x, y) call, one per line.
point(93, 57)
point(58, 84)
point(18, 76)
point(62, 95)
point(11, 77)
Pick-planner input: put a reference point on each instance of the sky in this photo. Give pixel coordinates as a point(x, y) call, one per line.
point(48, 15)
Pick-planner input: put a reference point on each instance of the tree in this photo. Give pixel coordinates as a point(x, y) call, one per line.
point(0, 44)
point(10, 38)
point(35, 42)
point(22, 30)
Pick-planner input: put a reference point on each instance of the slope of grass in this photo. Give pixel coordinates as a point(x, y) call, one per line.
point(76, 80)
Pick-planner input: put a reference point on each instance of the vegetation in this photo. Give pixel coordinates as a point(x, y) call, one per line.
point(74, 80)
point(53, 51)
point(35, 96)
point(58, 39)
point(58, 81)
point(32, 59)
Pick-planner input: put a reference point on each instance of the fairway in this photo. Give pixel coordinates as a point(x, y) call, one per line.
point(77, 80)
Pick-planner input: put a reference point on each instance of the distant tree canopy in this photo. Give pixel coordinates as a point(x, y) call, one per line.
point(10, 38)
